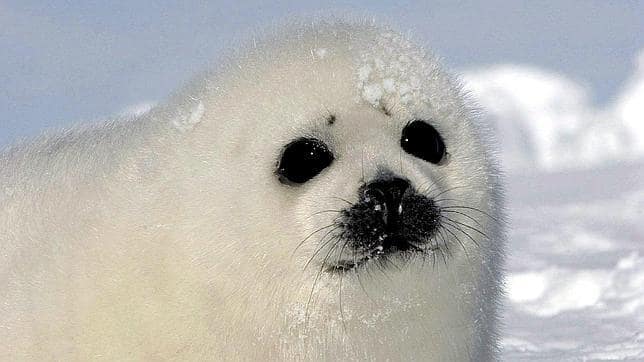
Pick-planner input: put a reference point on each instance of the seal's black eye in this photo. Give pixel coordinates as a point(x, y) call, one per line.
point(302, 159)
point(422, 140)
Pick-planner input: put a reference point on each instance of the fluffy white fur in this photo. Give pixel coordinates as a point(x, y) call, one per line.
point(169, 236)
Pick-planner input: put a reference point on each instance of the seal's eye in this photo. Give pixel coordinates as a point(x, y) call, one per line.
point(422, 140)
point(302, 159)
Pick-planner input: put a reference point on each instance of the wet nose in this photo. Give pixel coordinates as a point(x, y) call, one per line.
point(386, 196)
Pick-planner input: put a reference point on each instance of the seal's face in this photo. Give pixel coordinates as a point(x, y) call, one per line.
point(372, 152)
point(389, 217)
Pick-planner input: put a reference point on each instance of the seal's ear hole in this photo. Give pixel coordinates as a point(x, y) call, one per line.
point(422, 140)
point(302, 159)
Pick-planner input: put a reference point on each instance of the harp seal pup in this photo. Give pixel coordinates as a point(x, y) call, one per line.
point(328, 193)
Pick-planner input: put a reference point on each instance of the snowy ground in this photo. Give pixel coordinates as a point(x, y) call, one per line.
point(576, 269)
point(576, 203)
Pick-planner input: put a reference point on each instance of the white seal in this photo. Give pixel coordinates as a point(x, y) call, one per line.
point(328, 194)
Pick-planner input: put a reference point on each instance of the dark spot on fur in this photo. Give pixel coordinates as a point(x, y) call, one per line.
point(384, 109)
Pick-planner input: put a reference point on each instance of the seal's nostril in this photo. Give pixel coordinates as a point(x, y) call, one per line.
point(373, 194)
point(387, 197)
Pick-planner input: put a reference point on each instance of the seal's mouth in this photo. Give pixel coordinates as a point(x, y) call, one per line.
point(379, 253)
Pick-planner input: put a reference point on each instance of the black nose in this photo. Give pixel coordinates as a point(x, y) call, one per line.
point(386, 196)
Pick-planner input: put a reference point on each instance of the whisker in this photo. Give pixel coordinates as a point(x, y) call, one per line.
point(341, 251)
point(457, 239)
point(465, 225)
point(311, 234)
point(364, 290)
point(446, 246)
point(320, 248)
point(448, 207)
point(466, 215)
point(444, 200)
point(434, 257)
point(427, 186)
point(448, 190)
point(443, 238)
point(324, 211)
point(462, 207)
point(362, 164)
point(466, 234)
point(443, 255)
point(341, 199)
point(317, 276)
point(344, 326)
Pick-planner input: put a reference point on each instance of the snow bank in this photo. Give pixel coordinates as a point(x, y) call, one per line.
point(137, 109)
point(545, 120)
point(575, 277)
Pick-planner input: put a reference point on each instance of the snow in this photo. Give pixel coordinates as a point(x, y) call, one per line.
point(576, 267)
point(547, 120)
point(188, 117)
point(321, 53)
point(383, 71)
point(630, 106)
point(575, 281)
point(137, 109)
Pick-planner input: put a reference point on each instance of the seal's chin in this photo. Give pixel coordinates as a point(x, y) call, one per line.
point(379, 253)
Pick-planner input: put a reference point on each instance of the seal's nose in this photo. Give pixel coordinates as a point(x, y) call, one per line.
point(386, 196)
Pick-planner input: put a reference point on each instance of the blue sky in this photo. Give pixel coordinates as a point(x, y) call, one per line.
point(69, 61)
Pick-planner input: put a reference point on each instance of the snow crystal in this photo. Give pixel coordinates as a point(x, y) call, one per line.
point(188, 120)
point(391, 67)
point(389, 85)
point(8, 191)
point(363, 72)
point(372, 93)
point(321, 52)
point(138, 109)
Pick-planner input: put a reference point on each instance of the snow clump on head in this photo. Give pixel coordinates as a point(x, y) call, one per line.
point(393, 68)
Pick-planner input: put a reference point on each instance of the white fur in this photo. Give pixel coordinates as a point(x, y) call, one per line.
point(169, 236)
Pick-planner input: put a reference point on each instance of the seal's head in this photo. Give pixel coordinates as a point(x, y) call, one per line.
point(346, 191)
point(388, 217)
